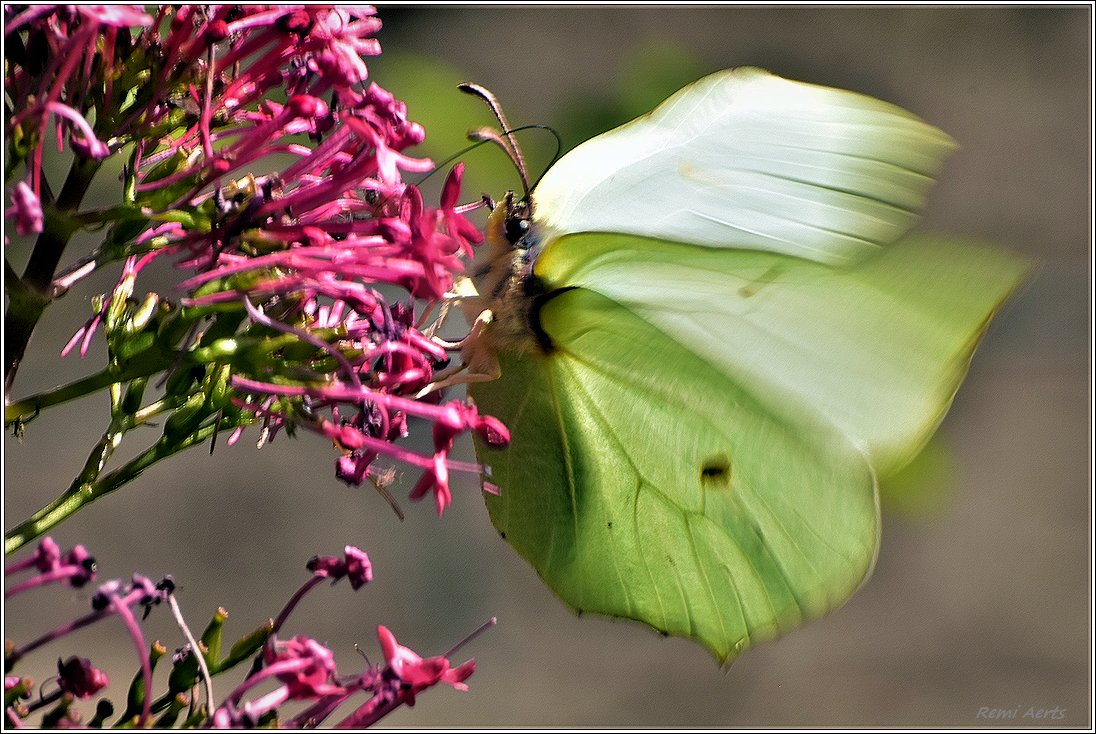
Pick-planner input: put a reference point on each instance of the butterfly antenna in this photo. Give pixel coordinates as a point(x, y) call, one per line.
point(509, 144)
point(459, 154)
point(556, 157)
point(486, 135)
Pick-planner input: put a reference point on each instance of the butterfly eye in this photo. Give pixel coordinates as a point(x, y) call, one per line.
point(516, 229)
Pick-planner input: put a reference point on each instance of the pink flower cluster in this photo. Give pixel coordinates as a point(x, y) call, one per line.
point(77, 676)
point(306, 249)
point(73, 40)
point(302, 668)
point(306, 671)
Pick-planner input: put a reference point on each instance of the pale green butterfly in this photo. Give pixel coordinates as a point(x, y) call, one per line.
point(709, 346)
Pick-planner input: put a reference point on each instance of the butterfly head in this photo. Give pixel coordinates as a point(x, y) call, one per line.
point(511, 223)
point(503, 273)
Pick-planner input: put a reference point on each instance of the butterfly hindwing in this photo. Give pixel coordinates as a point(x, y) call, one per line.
point(642, 483)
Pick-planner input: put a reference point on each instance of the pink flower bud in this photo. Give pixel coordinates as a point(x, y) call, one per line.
point(27, 210)
point(78, 677)
point(216, 31)
point(305, 105)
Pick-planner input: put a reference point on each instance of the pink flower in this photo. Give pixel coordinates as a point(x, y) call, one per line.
point(305, 254)
point(47, 557)
point(327, 567)
point(358, 568)
point(456, 226)
point(340, 37)
point(27, 210)
point(78, 677)
point(416, 673)
point(304, 666)
point(453, 419)
point(85, 143)
point(82, 564)
point(76, 567)
point(354, 565)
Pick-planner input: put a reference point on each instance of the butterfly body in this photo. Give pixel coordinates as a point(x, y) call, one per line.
point(709, 346)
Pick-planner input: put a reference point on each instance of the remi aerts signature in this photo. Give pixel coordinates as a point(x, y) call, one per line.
point(1021, 713)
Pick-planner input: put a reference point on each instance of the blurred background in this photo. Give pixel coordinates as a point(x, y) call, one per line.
point(982, 593)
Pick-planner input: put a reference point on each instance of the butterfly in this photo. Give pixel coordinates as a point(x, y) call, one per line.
point(710, 333)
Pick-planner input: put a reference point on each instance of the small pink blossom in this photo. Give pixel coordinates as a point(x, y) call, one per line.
point(75, 567)
point(27, 210)
point(358, 568)
point(47, 557)
point(80, 678)
point(354, 565)
point(84, 143)
point(453, 419)
point(417, 673)
point(456, 225)
point(341, 35)
point(306, 667)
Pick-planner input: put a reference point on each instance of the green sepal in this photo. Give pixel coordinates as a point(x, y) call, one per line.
point(191, 220)
point(213, 634)
point(167, 719)
point(182, 379)
point(184, 673)
point(225, 325)
point(244, 648)
point(104, 709)
point(135, 697)
point(123, 232)
point(134, 396)
point(129, 347)
point(220, 391)
point(14, 694)
point(186, 417)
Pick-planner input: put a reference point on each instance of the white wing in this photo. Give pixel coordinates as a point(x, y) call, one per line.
point(746, 159)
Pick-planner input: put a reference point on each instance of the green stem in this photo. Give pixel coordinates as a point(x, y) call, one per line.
point(30, 406)
point(82, 493)
point(24, 312)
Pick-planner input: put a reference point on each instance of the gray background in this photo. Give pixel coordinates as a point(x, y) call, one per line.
point(981, 601)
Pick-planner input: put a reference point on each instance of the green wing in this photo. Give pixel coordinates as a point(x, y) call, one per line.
point(643, 483)
point(698, 450)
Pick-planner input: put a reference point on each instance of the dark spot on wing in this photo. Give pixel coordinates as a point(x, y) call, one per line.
point(715, 473)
